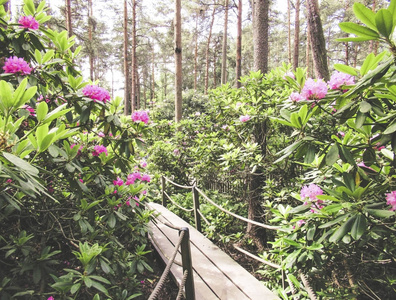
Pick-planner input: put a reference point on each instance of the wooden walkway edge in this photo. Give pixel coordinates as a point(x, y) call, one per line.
point(216, 275)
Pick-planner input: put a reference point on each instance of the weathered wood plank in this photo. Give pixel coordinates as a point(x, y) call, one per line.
point(219, 272)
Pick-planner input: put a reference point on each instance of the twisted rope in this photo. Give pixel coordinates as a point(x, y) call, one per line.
point(178, 185)
point(161, 282)
point(311, 293)
point(174, 203)
point(183, 282)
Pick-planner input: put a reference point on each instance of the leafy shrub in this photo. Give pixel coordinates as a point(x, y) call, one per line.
point(71, 220)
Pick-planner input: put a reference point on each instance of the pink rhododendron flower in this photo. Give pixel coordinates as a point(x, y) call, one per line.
point(51, 298)
point(144, 192)
point(9, 180)
point(244, 118)
point(140, 116)
point(82, 181)
point(295, 97)
point(146, 178)
point(99, 149)
point(176, 152)
point(299, 223)
point(118, 182)
point(197, 113)
point(143, 164)
point(132, 178)
point(314, 90)
point(28, 22)
point(29, 109)
point(96, 93)
point(391, 200)
point(311, 192)
point(101, 134)
point(16, 65)
point(339, 79)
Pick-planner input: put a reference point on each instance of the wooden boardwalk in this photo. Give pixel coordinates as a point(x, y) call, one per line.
point(216, 275)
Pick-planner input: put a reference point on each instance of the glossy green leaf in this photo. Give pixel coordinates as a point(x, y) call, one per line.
point(335, 221)
point(359, 30)
point(380, 213)
point(364, 14)
point(332, 156)
point(20, 163)
point(342, 230)
point(359, 227)
point(384, 22)
point(41, 110)
point(346, 69)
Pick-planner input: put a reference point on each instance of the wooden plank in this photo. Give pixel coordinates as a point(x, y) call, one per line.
point(202, 290)
point(226, 278)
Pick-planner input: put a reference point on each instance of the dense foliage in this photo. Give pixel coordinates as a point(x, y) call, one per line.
point(324, 153)
point(71, 223)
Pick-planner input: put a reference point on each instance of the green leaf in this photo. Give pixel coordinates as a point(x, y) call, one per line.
point(47, 141)
point(333, 222)
point(342, 230)
point(368, 62)
point(365, 106)
point(391, 128)
point(380, 213)
point(48, 56)
point(384, 22)
point(111, 221)
point(42, 110)
point(354, 39)
point(291, 242)
point(359, 227)
point(21, 164)
point(75, 288)
point(311, 233)
point(88, 281)
point(364, 14)
point(28, 7)
point(38, 56)
point(333, 155)
point(100, 287)
point(291, 258)
point(359, 30)
point(360, 119)
point(346, 69)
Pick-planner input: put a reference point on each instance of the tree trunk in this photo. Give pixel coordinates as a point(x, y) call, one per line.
point(207, 51)
point(307, 52)
point(296, 35)
point(224, 49)
point(318, 43)
point(196, 53)
point(133, 60)
point(91, 48)
point(239, 46)
point(178, 62)
point(69, 27)
point(260, 35)
point(152, 90)
point(288, 33)
point(126, 69)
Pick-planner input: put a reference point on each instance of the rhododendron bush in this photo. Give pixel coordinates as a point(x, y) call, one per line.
point(72, 184)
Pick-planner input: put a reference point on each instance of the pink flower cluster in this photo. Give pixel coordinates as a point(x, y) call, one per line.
point(391, 200)
point(244, 118)
point(99, 149)
point(28, 22)
point(132, 178)
point(289, 74)
point(314, 90)
point(311, 191)
point(96, 93)
point(339, 79)
point(140, 116)
point(16, 65)
point(29, 109)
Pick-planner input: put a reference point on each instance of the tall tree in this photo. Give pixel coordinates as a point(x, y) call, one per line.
point(90, 39)
point(69, 27)
point(196, 49)
point(126, 66)
point(288, 32)
point(318, 43)
point(260, 35)
point(296, 34)
point(207, 50)
point(178, 62)
point(239, 46)
point(133, 60)
point(224, 48)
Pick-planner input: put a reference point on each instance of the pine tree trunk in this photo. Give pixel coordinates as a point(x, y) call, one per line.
point(178, 62)
point(260, 35)
point(196, 54)
point(239, 46)
point(296, 35)
point(224, 49)
point(289, 51)
point(126, 69)
point(69, 27)
point(319, 52)
point(133, 60)
point(90, 38)
point(307, 52)
point(152, 90)
point(207, 51)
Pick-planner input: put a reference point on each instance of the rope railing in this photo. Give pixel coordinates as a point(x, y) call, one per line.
point(187, 281)
point(198, 215)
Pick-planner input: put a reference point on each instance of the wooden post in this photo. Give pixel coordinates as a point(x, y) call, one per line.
point(163, 191)
point(187, 264)
point(197, 216)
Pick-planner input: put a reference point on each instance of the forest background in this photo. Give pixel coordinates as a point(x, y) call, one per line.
point(209, 48)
